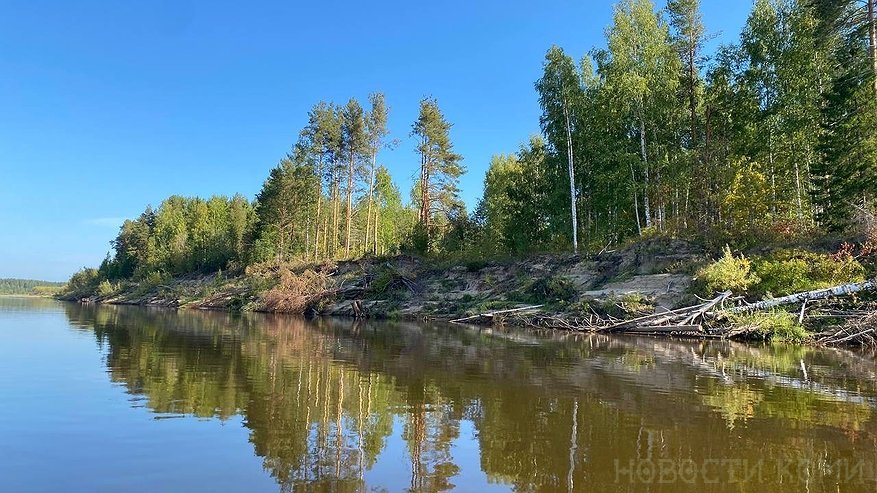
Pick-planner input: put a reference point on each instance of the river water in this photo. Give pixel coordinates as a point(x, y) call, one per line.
point(109, 399)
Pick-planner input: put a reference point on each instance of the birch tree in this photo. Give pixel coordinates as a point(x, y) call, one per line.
point(641, 75)
point(559, 90)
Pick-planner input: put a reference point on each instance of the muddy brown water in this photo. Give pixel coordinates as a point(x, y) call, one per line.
point(110, 398)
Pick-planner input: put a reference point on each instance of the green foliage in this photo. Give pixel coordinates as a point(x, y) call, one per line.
point(417, 241)
point(551, 289)
point(729, 273)
point(283, 207)
point(106, 289)
point(774, 325)
point(82, 284)
point(627, 305)
point(793, 271)
point(475, 265)
point(183, 235)
point(389, 280)
point(746, 203)
point(153, 281)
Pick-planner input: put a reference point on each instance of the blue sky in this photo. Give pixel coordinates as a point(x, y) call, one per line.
point(108, 106)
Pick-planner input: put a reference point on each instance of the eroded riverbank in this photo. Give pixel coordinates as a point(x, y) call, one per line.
point(579, 293)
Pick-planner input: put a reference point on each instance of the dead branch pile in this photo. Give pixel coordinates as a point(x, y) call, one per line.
point(706, 319)
point(861, 331)
point(296, 293)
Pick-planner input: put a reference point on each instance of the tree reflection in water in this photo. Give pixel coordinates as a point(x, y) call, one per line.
point(550, 412)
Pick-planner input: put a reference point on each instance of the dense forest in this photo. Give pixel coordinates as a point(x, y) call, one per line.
point(767, 139)
point(28, 287)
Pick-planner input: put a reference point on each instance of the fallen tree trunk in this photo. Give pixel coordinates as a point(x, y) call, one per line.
point(491, 315)
point(818, 294)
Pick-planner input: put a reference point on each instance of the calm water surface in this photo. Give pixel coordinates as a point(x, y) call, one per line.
point(107, 399)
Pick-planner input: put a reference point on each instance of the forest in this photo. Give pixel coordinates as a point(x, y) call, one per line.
point(28, 287)
point(769, 139)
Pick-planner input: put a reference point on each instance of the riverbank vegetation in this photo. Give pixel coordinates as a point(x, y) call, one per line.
point(766, 145)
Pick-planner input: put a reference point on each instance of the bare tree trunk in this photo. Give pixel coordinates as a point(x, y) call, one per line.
point(692, 96)
point(326, 236)
point(349, 215)
point(687, 202)
point(645, 158)
point(799, 191)
point(425, 199)
point(872, 41)
point(773, 175)
point(424, 190)
point(639, 226)
point(335, 206)
point(371, 188)
point(572, 188)
point(319, 204)
point(377, 222)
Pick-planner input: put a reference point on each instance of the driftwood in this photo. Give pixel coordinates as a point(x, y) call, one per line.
point(690, 320)
point(680, 317)
point(862, 331)
point(491, 315)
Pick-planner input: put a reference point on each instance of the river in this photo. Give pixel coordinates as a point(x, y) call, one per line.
point(100, 398)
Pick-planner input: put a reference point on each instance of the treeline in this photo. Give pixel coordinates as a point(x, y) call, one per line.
point(328, 198)
point(769, 137)
point(28, 286)
point(772, 135)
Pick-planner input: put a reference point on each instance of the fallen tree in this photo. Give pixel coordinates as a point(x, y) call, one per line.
point(711, 318)
point(818, 294)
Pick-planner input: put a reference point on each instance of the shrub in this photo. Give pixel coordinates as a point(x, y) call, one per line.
point(390, 279)
point(729, 273)
point(774, 325)
point(106, 289)
point(627, 305)
point(81, 284)
point(475, 265)
point(152, 281)
point(548, 289)
point(793, 271)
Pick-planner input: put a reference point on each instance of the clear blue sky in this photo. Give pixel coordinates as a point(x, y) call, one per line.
point(108, 106)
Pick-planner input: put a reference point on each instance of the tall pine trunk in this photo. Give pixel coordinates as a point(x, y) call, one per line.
point(371, 188)
point(377, 222)
point(425, 204)
point(319, 204)
point(335, 210)
point(349, 214)
point(872, 42)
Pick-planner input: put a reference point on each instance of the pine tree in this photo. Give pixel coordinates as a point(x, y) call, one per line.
point(440, 167)
point(376, 130)
point(354, 142)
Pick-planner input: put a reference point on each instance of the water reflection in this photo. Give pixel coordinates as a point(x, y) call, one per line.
point(327, 402)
